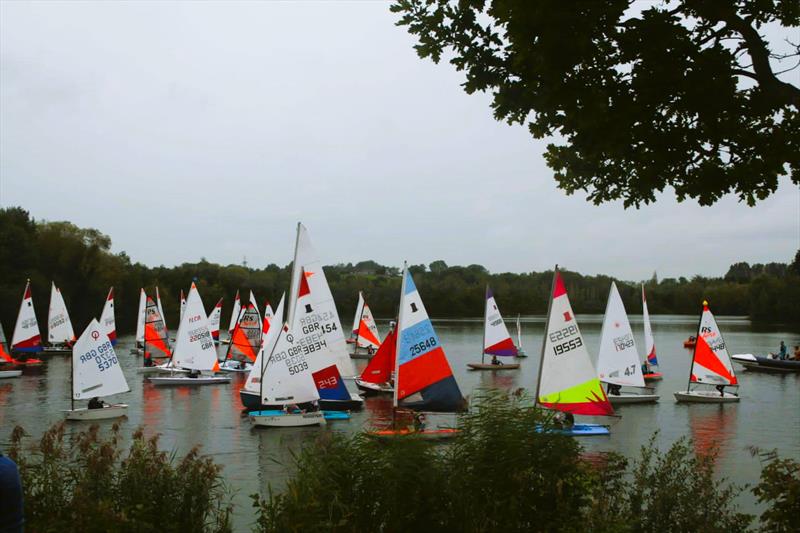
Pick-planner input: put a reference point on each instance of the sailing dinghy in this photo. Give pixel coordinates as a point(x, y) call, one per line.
point(155, 342)
point(140, 318)
point(26, 339)
point(250, 393)
point(235, 312)
point(108, 322)
point(378, 376)
point(496, 340)
point(568, 380)
point(367, 338)
point(8, 367)
point(650, 345)
point(520, 351)
point(711, 365)
point(96, 373)
point(618, 361)
point(194, 348)
point(245, 341)
point(214, 319)
point(59, 327)
point(356, 319)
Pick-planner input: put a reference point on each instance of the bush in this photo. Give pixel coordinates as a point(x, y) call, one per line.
point(780, 489)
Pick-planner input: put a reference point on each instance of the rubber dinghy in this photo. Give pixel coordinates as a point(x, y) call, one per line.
point(496, 340)
point(618, 360)
point(649, 344)
point(568, 380)
point(711, 365)
point(194, 348)
point(96, 373)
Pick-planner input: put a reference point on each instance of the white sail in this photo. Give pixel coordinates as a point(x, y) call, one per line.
point(649, 341)
point(96, 371)
point(357, 317)
point(26, 331)
point(194, 347)
point(711, 363)
point(287, 373)
point(519, 333)
point(214, 319)
point(161, 309)
point(108, 321)
point(255, 303)
point(269, 332)
point(59, 326)
point(237, 307)
point(618, 361)
point(496, 340)
point(140, 317)
point(324, 308)
point(183, 304)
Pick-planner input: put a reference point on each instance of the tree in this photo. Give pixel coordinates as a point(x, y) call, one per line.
point(681, 93)
point(438, 267)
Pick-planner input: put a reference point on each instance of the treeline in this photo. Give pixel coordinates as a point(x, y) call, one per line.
point(82, 265)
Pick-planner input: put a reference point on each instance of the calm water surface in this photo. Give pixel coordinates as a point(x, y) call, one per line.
point(768, 415)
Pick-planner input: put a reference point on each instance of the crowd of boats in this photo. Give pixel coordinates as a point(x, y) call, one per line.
point(297, 367)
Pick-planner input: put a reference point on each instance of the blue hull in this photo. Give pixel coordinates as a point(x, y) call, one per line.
point(329, 415)
point(578, 430)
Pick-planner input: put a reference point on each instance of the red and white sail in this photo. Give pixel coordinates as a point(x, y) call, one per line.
point(649, 341)
point(214, 319)
point(618, 360)
point(156, 338)
point(269, 332)
point(246, 336)
point(496, 340)
point(140, 316)
point(237, 307)
point(96, 370)
point(26, 336)
point(59, 326)
point(367, 334)
point(711, 363)
point(194, 347)
point(568, 379)
point(380, 367)
point(108, 323)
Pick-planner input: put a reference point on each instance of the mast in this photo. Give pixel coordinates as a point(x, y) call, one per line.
point(483, 343)
point(72, 380)
point(544, 338)
point(694, 350)
point(295, 280)
point(397, 341)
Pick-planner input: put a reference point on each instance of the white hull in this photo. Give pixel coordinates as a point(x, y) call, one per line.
point(84, 413)
point(285, 420)
point(56, 350)
point(186, 380)
point(232, 366)
point(626, 398)
point(705, 396)
point(10, 373)
point(160, 369)
point(374, 387)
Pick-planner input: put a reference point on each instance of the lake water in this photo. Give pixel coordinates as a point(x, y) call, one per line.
point(768, 415)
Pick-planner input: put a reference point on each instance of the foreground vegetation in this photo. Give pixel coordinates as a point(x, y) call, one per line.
point(80, 262)
point(498, 475)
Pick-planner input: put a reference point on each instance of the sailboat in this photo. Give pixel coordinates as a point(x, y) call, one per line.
point(140, 318)
point(8, 367)
point(161, 310)
point(235, 312)
point(711, 365)
point(366, 336)
point(520, 351)
point(96, 373)
point(214, 319)
point(59, 327)
point(568, 380)
point(245, 341)
point(183, 304)
point(250, 393)
point(194, 348)
point(108, 322)
point(650, 345)
point(378, 376)
point(618, 361)
point(356, 319)
point(496, 340)
point(155, 342)
point(26, 338)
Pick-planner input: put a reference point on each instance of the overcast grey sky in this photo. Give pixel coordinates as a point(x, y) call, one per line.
point(188, 130)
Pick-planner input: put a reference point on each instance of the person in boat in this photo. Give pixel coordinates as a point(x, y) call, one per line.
point(496, 361)
point(721, 389)
point(613, 389)
point(564, 420)
point(96, 403)
point(194, 374)
point(646, 368)
point(370, 350)
point(419, 421)
point(782, 352)
point(12, 517)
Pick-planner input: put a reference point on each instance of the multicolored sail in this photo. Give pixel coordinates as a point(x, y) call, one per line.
point(424, 379)
point(380, 367)
point(26, 336)
point(140, 316)
point(108, 323)
point(237, 308)
point(246, 336)
point(567, 379)
point(496, 340)
point(96, 371)
point(183, 304)
point(711, 363)
point(161, 310)
point(618, 360)
point(194, 347)
point(649, 341)
point(59, 326)
point(214, 319)
point(255, 304)
point(269, 332)
point(156, 338)
point(367, 335)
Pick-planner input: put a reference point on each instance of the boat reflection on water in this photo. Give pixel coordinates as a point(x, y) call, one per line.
point(504, 381)
point(713, 428)
point(379, 408)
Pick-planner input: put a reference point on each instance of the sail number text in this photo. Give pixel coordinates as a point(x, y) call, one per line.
point(103, 356)
point(421, 346)
point(563, 334)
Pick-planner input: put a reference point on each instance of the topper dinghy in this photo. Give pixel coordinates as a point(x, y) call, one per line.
point(245, 341)
point(496, 340)
point(367, 337)
point(59, 327)
point(378, 377)
point(26, 338)
point(250, 393)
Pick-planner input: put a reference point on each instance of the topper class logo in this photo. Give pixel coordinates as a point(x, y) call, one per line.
point(95, 335)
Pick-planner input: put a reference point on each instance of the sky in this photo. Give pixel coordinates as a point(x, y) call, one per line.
point(189, 130)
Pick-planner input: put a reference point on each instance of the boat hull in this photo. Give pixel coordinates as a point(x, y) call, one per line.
point(489, 366)
point(578, 430)
point(373, 388)
point(56, 350)
point(232, 366)
point(159, 369)
point(765, 364)
point(361, 354)
point(106, 413)
point(654, 376)
point(705, 396)
point(428, 434)
point(251, 401)
point(278, 418)
point(624, 399)
point(4, 374)
point(186, 380)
